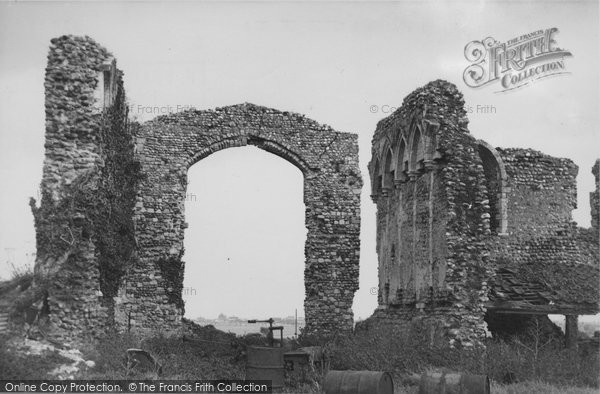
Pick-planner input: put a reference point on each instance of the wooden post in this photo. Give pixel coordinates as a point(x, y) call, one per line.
point(571, 331)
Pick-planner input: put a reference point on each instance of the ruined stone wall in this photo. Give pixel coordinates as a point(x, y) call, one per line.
point(464, 228)
point(458, 221)
point(110, 224)
point(541, 262)
point(541, 241)
point(589, 238)
point(595, 199)
point(433, 218)
point(542, 193)
point(87, 187)
point(169, 145)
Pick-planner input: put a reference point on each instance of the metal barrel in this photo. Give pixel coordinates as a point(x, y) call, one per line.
point(265, 363)
point(453, 383)
point(358, 382)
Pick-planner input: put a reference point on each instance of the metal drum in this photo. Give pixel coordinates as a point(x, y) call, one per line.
point(358, 382)
point(453, 383)
point(265, 363)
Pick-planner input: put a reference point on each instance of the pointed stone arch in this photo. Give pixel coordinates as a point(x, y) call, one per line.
point(401, 161)
point(497, 185)
point(329, 162)
point(417, 151)
point(376, 179)
point(388, 169)
point(129, 181)
point(261, 143)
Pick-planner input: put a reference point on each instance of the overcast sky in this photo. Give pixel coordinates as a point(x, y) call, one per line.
point(341, 64)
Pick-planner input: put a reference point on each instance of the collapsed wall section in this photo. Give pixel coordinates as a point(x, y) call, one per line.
point(539, 262)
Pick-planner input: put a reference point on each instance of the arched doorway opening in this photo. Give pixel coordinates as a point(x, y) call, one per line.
point(245, 237)
point(328, 160)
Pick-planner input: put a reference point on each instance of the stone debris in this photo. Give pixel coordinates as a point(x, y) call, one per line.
point(142, 361)
point(65, 371)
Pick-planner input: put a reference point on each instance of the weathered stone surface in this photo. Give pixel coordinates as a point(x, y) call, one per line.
point(111, 222)
point(433, 217)
point(328, 160)
point(84, 227)
point(595, 198)
point(540, 262)
point(463, 227)
point(588, 239)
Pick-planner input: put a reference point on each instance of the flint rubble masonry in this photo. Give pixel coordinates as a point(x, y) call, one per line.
point(464, 228)
point(110, 223)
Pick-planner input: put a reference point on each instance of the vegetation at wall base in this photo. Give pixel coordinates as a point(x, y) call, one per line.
point(197, 352)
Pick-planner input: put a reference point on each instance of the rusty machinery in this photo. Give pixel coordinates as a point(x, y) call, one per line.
point(272, 328)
